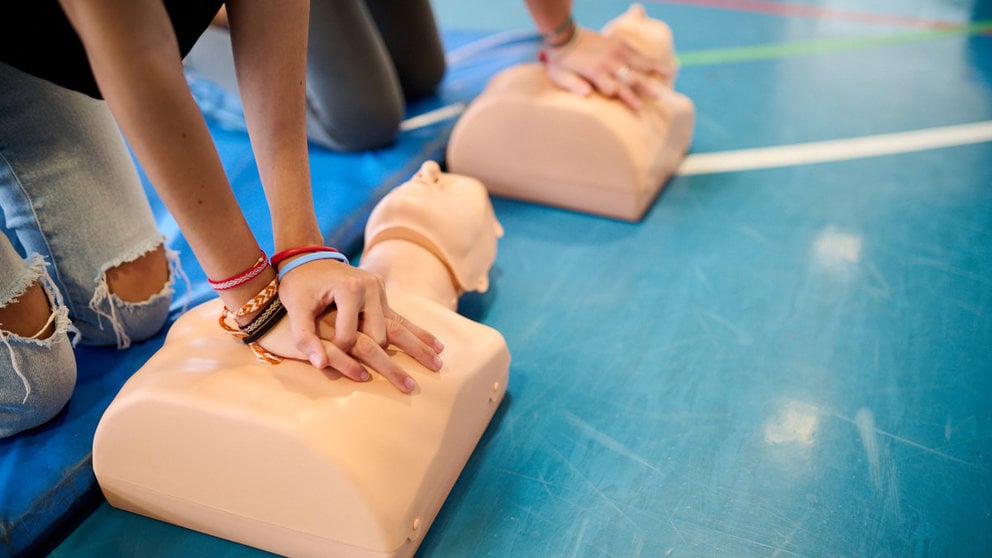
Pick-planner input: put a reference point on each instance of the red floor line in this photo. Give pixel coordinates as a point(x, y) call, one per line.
point(780, 8)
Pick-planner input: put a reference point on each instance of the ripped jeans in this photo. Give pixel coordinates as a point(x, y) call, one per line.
point(72, 207)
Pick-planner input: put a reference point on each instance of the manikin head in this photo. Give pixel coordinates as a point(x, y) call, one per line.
point(651, 37)
point(449, 215)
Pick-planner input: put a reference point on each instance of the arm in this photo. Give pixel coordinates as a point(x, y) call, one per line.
point(581, 60)
point(135, 59)
point(269, 42)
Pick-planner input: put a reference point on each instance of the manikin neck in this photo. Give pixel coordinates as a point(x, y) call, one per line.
point(408, 266)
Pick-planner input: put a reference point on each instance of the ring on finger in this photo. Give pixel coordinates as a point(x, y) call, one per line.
point(622, 74)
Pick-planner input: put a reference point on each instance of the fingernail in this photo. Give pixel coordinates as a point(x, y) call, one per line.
point(364, 376)
point(438, 363)
point(409, 383)
point(315, 360)
point(438, 345)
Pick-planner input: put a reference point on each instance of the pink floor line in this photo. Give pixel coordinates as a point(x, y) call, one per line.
point(779, 8)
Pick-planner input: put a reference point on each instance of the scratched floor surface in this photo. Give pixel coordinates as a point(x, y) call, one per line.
point(790, 355)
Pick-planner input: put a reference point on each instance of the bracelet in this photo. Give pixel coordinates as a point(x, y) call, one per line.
point(278, 257)
point(261, 355)
point(241, 278)
point(265, 321)
point(313, 256)
point(258, 301)
point(566, 27)
point(258, 320)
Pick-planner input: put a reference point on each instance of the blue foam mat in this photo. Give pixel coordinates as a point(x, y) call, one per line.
point(46, 473)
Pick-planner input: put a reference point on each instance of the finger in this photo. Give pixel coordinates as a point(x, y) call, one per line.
point(570, 81)
point(421, 333)
point(307, 340)
point(344, 363)
point(644, 85)
point(369, 352)
point(605, 84)
point(406, 340)
point(631, 99)
point(624, 92)
point(373, 321)
point(644, 64)
point(349, 302)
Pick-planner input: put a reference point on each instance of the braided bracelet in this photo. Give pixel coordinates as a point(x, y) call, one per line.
point(261, 355)
point(241, 278)
point(259, 300)
point(313, 256)
point(260, 320)
point(264, 322)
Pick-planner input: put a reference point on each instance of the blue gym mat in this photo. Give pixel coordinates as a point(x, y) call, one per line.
point(46, 474)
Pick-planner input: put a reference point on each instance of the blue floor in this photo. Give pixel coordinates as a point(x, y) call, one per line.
point(783, 359)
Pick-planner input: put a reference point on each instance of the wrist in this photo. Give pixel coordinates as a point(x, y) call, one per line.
point(561, 35)
point(291, 253)
point(238, 297)
point(314, 255)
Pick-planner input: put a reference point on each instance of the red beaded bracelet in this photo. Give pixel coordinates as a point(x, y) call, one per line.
point(247, 275)
point(278, 257)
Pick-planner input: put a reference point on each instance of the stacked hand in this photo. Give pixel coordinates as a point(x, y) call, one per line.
point(338, 317)
point(593, 61)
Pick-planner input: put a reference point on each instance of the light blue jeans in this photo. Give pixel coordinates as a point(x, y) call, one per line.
point(72, 208)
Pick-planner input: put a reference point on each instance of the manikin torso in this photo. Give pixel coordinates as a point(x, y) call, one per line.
point(526, 138)
point(304, 462)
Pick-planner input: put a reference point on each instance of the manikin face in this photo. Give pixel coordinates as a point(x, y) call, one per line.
point(450, 215)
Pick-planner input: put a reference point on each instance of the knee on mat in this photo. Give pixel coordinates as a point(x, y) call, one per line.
point(364, 127)
point(37, 378)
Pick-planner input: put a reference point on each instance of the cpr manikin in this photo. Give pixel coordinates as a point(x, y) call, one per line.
point(303, 462)
point(526, 138)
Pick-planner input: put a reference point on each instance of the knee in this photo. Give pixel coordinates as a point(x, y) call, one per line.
point(143, 289)
point(425, 80)
point(141, 278)
point(134, 305)
point(37, 378)
point(362, 130)
point(356, 124)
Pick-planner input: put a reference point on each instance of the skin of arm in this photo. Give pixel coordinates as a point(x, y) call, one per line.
point(135, 58)
point(591, 61)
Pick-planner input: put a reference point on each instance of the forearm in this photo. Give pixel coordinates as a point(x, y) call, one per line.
point(136, 63)
point(548, 15)
point(269, 40)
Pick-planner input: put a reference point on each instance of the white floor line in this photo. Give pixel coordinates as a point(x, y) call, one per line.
point(835, 150)
point(433, 117)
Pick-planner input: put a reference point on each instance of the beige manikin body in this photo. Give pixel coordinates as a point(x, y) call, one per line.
point(526, 138)
point(302, 462)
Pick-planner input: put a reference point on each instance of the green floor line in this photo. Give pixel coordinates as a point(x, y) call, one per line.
point(765, 52)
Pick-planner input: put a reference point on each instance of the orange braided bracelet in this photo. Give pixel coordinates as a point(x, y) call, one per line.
point(258, 301)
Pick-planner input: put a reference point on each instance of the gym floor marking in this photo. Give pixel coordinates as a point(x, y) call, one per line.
point(836, 150)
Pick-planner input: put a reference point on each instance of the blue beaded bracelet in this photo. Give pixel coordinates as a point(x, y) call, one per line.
point(313, 256)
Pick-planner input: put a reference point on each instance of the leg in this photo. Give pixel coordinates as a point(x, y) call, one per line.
point(354, 101)
point(411, 36)
point(354, 95)
point(37, 365)
point(70, 192)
